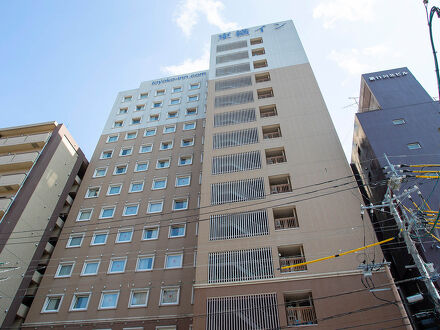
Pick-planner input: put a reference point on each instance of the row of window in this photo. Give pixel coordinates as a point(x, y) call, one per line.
point(161, 92)
point(109, 299)
point(149, 131)
point(152, 118)
point(170, 115)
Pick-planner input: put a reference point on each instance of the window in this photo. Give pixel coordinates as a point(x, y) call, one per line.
point(154, 117)
point(140, 107)
point(413, 146)
point(75, 240)
point(126, 151)
point(112, 138)
point(93, 192)
point(130, 209)
point(160, 92)
point(189, 126)
point(169, 129)
point(118, 123)
point(264, 93)
point(107, 212)
point(188, 142)
point(150, 233)
point(120, 169)
point(138, 298)
point(124, 235)
point(166, 145)
point(117, 265)
point(150, 132)
point(146, 148)
point(400, 121)
point(194, 86)
point(107, 154)
point(185, 160)
point(127, 98)
point(52, 303)
point(169, 296)
point(135, 121)
point(191, 111)
point(100, 172)
point(122, 111)
point(180, 204)
point(114, 189)
point(258, 51)
point(90, 267)
point(177, 89)
point(182, 181)
point(173, 260)
point(140, 167)
point(256, 41)
point(136, 186)
point(260, 64)
point(192, 98)
point(131, 135)
point(268, 111)
point(84, 215)
point(163, 163)
point(99, 238)
point(143, 96)
point(144, 263)
point(155, 207)
point(172, 114)
point(65, 269)
point(159, 183)
point(175, 101)
point(177, 230)
point(80, 301)
point(157, 104)
point(262, 77)
point(109, 299)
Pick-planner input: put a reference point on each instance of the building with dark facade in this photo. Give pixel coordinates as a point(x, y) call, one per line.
point(397, 117)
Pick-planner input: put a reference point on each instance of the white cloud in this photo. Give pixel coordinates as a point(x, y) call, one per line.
point(188, 13)
point(189, 65)
point(331, 11)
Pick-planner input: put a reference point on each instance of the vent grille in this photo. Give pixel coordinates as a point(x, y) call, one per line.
point(232, 69)
point(233, 99)
point(231, 57)
point(245, 161)
point(237, 191)
point(231, 46)
point(235, 138)
point(234, 117)
point(233, 83)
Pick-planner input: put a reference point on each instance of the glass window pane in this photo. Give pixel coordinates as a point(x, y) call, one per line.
point(81, 302)
point(151, 233)
point(145, 263)
point(109, 300)
point(173, 261)
point(91, 268)
point(117, 266)
point(53, 303)
point(100, 239)
point(139, 298)
point(65, 270)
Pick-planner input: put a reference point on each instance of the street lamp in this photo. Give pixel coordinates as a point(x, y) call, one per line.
point(430, 16)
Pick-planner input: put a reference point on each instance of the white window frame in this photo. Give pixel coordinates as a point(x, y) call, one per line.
point(93, 188)
point(154, 115)
point(183, 176)
point(110, 186)
point(85, 265)
point(163, 159)
point(122, 111)
point(112, 135)
point(99, 233)
point(102, 299)
point(190, 145)
point(106, 151)
point(101, 214)
point(170, 255)
point(178, 199)
point(81, 294)
point(130, 190)
point(175, 87)
point(191, 114)
point(124, 230)
point(140, 107)
point(60, 265)
point(159, 179)
point(127, 98)
point(162, 92)
point(147, 228)
point(173, 112)
point(117, 122)
point(144, 257)
point(129, 205)
point(189, 122)
point(154, 202)
point(196, 95)
point(146, 145)
point(120, 165)
point(135, 167)
point(105, 168)
point(169, 126)
point(126, 148)
point(186, 157)
point(80, 212)
point(160, 104)
point(111, 263)
point(143, 95)
point(161, 303)
point(178, 99)
point(194, 84)
point(46, 303)
point(75, 235)
point(162, 143)
point(180, 225)
point(136, 119)
point(416, 144)
point(131, 138)
point(138, 290)
point(151, 129)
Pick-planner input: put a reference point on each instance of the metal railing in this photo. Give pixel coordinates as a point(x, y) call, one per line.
point(290, 261)
point(286, 223)
point(270, 113)
point(272, 135)
point(276, 159)
point(300, 315)
point(280, 188)
point(265, 95)
point(262, 79)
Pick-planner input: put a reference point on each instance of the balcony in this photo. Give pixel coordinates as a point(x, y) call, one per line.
point(260, 64)
point(258, 51)
point(17, 161)
point(285, 218)
point(300, 315)
point(271, 132)
point(268, 111)
point(4, 204)
point(275, 156)
point(11, 183)
point(265, 93)
point(256, 41)
point(262, 77)
point(291, 256)
point(22, 143)
point(280, 184)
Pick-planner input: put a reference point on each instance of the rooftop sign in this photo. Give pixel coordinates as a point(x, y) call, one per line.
point(388, 76)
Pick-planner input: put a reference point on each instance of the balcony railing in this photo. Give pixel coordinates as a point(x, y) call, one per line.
point(265, 95)
point(280, 188)
point(272, 135)
point(290, 261)
point(286, 223)
point(300, 315)
point(260, 79)
point(270, 113)
point(276, 159)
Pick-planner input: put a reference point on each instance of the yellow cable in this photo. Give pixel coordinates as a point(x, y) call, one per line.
point(438, 239)
point(425, 165)
point(427, 177)
point(424, 171)
point(340, 254)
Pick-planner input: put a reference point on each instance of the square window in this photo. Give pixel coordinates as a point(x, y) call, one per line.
point(107, 212)
point(189, 126)
point(155, 207)
point(84, 215)
point(192, 98)
point(177, 89)
point(150, 132)
point(185, 160)
point(191, 111)
point(126, 151)
point(93, 192)
point(399, 121)
point(169, 296)
point(413, 146)
point(100, 172)
point(173, 260)
point(140, 167)
point(145, 148)
point(180, 204)
point(135, 121)
point(114, 189)
point(169, 129)
point(127, 98)
point(194, 86)
point(117, 265)
point(163, 163)
point(140, 107)
point(112, 138)
point(166, 145)
point(159, 183)
point(256, 41)
point(124, 235)
point(157, 104)
point(172, 114)
point(107, 154)
point(130, 210)
point(80, 302)
point(99, 238)
point(188, 142)
point(130, 135)
point(144, 263)
point(118, 124)
point(177, 230)
point(90, 267)
point(65, 269)
point(138, 298)
point(75, 240)
point(150, 233)
point(52, 303)
point(154, 117)
point(183, 181)
point(136, 186)
point(143, 96)
point(175, 101)
point(109, 300)
point(122, 111)
point(160, 92)
point(120, 169)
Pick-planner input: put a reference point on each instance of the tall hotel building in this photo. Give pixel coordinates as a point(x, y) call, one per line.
point(201, 188)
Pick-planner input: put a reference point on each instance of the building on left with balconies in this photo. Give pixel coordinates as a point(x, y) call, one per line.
point(41, 167)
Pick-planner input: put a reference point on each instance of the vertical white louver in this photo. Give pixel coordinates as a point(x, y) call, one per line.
point(233, 83)
point(232, 57)
point(237, 225)
point(232, 69)
point(235, 138)
point(231, 46)
point(233, 99)
point(240, 265)
point(259, 311)
point(234, 117)
point(245, 161)
point(237, 191)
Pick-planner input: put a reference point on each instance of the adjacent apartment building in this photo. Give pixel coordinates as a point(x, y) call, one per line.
point(202, 186)
point(41, 168)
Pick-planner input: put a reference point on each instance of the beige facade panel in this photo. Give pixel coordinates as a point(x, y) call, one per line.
point(17, 161)
point(11, 182)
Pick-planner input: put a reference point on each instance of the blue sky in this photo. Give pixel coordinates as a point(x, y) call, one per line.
point(66, 60)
